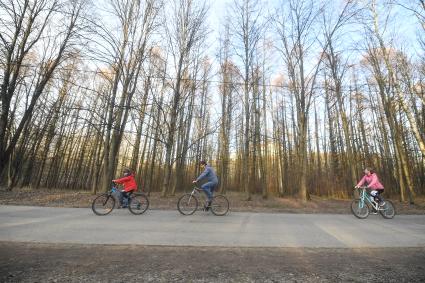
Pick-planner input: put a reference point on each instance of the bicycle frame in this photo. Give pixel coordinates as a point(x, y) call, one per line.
point(111, 193)
point(113, 190)
point(201, 193)
point(366, 196)
point(197, 191)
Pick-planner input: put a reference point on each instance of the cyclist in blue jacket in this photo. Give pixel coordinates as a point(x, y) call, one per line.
point(212, 181)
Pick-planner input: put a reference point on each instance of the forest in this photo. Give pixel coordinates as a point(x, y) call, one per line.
point(286, 98)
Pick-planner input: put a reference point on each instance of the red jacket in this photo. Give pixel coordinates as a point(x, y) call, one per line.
point(129, 183)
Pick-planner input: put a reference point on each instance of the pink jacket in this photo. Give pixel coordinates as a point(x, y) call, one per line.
point(372, 181)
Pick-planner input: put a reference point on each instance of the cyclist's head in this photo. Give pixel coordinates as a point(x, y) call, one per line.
point(126, 172)
point(203, 163)
point(368, 171)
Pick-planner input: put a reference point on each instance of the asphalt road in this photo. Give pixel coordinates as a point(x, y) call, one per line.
point(169, 228)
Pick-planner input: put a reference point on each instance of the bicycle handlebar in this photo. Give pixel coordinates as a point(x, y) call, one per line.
point(362, 187)
point(196, 186)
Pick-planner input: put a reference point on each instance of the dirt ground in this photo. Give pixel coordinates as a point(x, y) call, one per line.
point(31, 262)
point(62, 198)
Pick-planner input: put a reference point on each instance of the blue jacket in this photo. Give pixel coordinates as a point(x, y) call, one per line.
point(209, 174)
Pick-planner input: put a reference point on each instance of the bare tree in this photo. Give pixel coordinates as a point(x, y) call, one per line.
point(124, 50)
point(246, 26)
point(229, 75)
point(297, 37)
point(337, 67)
point(46, 30)
point(379, 56)
point(185, 30)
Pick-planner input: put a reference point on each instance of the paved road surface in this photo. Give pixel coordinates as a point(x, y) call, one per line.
point(157, 227)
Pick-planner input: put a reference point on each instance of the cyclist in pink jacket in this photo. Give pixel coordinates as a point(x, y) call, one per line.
point(371, 180)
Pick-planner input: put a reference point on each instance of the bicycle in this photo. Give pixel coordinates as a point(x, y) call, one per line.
point(104, 204)
point(360, 207)
point(188, 203)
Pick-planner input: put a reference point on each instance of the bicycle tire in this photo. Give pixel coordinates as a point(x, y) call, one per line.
point(388, 211)
point(103, 204)
point(358, 212)
point(219, 205)
point(138, 204)
point(187, 204)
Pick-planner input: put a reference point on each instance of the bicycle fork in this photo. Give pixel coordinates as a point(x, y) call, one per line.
point(190, 198)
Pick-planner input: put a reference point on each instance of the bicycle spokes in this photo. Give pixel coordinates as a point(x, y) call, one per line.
point(103, 204)
point(187, 204)
point(138, 204)
point(359, 208)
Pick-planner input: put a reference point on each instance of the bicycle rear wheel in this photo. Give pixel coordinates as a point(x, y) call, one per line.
point(103, 204)
point(138, 204)
point(219, 205)
point(359, 209)
point(187, 204)
point(387, 210)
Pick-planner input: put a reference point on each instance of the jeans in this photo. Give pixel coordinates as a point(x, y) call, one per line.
point(208, 189)
point(124, 196)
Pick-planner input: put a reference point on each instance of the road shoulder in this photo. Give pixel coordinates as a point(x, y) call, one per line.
point(31, 262)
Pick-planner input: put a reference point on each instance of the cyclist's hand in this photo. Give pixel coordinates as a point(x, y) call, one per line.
point(194, 181)
point(356, 187)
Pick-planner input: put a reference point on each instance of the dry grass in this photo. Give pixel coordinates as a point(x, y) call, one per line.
point(66, 198)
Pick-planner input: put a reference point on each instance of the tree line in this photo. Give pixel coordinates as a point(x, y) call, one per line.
point(290, 101)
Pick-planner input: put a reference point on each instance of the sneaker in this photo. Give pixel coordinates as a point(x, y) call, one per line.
point(207, 206)
point(382, 204)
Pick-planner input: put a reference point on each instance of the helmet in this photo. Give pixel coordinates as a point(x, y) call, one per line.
point(127, 172)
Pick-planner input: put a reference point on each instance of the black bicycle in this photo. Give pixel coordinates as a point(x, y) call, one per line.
point(103, 204)
point(189, 203)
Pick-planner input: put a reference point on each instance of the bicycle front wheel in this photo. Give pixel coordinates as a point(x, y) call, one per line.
point(387, 210)
point(219, 205)
point(138, 204)
point(187, 204)
point(359, 209)
point(103, 204)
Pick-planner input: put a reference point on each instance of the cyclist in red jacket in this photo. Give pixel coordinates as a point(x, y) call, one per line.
point(129, 184)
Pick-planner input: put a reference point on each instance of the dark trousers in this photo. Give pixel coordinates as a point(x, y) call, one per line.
point(124, 196)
